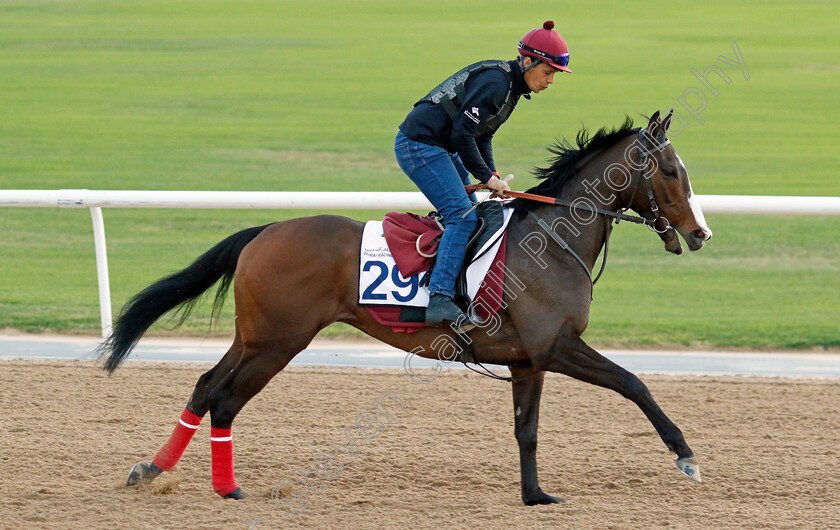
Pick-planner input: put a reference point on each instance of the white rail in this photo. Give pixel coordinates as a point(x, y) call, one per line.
point(353, 200)
point(329, 200)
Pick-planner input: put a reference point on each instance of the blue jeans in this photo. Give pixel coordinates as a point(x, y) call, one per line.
point(441, 177)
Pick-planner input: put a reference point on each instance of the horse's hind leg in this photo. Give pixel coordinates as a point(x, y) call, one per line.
point(170, 453)
point(573, 357)
point(259, 363)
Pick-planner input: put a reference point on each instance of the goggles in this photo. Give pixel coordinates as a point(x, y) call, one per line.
point(562, 59)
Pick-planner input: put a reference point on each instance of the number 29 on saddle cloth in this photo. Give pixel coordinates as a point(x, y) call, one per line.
point(394, 254)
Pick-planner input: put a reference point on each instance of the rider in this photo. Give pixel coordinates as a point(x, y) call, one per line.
point(448, 135)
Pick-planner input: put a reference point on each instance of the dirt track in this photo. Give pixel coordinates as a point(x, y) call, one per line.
point(768, 449)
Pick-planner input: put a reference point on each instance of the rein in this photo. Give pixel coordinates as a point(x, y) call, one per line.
point(563, 202)
point(618, 216)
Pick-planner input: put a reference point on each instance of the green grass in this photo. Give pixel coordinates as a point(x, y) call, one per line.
point(307, 96)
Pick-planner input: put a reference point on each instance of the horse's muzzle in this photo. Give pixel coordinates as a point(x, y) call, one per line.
point(697, 238)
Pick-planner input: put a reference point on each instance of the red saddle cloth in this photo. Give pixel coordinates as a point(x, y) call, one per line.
point(405, 234)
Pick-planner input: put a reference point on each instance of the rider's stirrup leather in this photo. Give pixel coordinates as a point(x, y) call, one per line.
point(442, 310)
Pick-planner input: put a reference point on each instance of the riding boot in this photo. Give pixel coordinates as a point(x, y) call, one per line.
point(442, 310)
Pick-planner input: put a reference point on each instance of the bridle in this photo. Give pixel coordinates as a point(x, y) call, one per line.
point(620, 215)
point(641, 175)
point(617, 215)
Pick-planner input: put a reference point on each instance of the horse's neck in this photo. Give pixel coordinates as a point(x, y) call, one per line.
point(590, 186)
point(601, 181)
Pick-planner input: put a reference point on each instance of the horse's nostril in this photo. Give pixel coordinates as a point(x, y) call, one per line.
point(700, 235)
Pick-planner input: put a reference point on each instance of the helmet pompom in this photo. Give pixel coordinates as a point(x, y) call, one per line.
point(548, 24)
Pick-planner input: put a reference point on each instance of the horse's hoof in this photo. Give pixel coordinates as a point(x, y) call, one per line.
point(540, 497)
point(142, 473)
point(690, 467)
point(237, 494)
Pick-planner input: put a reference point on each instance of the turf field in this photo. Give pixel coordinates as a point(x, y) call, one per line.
point(307, 95)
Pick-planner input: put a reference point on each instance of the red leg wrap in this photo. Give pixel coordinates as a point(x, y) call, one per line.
point(221, 447)
point(171, 452)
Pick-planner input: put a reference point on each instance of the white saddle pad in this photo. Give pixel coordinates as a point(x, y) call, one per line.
point(380, 283)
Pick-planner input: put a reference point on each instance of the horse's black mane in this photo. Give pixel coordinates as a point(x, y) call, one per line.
point(566, 159)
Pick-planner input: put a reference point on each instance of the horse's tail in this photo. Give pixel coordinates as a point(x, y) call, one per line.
point(181, 290)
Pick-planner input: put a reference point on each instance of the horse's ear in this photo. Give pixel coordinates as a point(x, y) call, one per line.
point(666, 122)
point(654, 122)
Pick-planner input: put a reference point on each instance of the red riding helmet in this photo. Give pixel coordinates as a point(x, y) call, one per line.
point(546, 45)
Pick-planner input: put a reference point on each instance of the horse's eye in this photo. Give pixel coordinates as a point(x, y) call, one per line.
point(670, 174)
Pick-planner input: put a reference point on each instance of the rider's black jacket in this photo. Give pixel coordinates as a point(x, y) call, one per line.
point(486, 91)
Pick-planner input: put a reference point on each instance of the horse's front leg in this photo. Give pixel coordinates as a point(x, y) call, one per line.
point(573, 357)
point(527, 389)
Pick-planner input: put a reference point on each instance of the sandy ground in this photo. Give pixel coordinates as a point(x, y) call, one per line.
point(768, 448)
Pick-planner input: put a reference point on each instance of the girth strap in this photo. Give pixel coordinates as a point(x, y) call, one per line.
point(467, 357)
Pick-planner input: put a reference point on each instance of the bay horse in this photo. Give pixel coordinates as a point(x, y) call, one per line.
point(293, 278)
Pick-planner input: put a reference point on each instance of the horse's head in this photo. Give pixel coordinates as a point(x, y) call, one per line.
point(667, 195)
